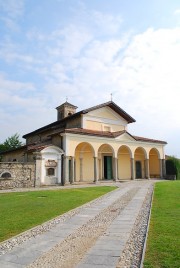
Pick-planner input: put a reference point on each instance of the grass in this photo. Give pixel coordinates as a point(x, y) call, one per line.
point(163, 245)
point(23, 210)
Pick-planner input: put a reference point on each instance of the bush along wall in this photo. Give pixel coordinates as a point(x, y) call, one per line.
point(173, 167)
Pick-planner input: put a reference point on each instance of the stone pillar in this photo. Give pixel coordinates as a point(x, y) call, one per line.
point(81, 168)
point(99, 168)
point(37, 179)
point(66, 170)
point(72, 169)
point(164, 167)
point(115, 164)
point(96, 170)
point(161, 168)
point(43, 171)
point(132, 169)
point(147, 175)
point(59, 169)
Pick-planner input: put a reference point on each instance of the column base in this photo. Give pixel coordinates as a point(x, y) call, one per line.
point(67, 183)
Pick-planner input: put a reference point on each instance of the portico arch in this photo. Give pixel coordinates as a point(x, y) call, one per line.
point(140, 156)
point(124, 163)
point(106, 162)
point(154, 163)
point(84, 162)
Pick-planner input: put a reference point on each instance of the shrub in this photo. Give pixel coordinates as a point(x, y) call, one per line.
point(173, 167)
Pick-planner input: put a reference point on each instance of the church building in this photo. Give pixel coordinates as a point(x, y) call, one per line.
point(91, 145)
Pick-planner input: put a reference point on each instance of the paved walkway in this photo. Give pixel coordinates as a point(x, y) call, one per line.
point(105, 252)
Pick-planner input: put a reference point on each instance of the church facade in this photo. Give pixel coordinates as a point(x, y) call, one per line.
point(91, 145)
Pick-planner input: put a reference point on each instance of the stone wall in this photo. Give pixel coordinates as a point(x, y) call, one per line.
point(17, 175)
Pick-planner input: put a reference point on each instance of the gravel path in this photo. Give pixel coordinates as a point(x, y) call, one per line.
point(68, 253)
point(132, 254)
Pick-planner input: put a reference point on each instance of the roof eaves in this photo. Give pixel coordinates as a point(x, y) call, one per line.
point(113, 106)
point(149, 140)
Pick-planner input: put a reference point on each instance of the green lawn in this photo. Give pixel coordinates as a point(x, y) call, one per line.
point(163, 245)
point(24, 210)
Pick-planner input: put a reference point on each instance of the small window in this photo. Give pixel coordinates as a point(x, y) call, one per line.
point(6, 175)
point(50, 172)
point(69, 114)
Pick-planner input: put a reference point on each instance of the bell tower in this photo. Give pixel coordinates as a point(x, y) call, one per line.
point(64, 110)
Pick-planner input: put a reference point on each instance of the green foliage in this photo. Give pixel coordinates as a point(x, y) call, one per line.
point(173, 167)
point(12, 142)
point(23, 210)
point(163, 243)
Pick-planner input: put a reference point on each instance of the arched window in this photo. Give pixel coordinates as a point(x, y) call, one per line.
point(6, 175)
point(50, 172)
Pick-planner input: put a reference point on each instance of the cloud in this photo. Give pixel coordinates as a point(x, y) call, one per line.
point(100, 23)
point(143, 72)
point(11, 11)
point(86, 62)
point(177, 12)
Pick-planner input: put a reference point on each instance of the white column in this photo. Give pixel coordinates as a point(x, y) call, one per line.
point(38, 165)
point(65, 170)
point(132, 169)
point(59, 169)
point(72, 169)
point(43, 171)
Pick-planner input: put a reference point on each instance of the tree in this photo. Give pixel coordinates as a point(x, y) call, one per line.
point(12, 142)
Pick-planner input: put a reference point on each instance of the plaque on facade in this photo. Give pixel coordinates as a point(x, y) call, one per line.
point(51, 163)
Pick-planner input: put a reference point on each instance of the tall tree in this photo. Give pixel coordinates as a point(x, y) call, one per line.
point(12, 142)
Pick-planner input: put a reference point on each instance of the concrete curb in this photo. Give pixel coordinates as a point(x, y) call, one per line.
point(147, 231)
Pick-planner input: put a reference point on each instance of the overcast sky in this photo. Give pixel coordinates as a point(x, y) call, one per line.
point(86, 50)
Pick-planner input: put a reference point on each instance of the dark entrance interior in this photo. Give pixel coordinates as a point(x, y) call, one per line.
point(138, 170)
point(108, 174)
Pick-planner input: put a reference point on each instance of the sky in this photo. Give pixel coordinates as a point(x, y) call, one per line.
point(85, 50)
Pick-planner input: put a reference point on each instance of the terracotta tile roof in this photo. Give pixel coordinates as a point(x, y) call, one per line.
point(37, 147)
point(107, 134)
point(149, 140)
point(23, 147)
point(114, 107)
point(90, 132)
point(62, 123)
point(67, 104)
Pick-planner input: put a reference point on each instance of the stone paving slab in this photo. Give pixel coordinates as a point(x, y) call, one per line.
point(120, 228)
point(33, 248)
point(107, 249)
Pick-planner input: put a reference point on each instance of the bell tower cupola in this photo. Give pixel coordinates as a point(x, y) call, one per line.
point(64, 110)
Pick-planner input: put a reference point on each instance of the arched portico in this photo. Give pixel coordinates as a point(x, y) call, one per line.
point(154, 163)
point(124, 163)
point(107, 166)
point(140, 168)
point(84, 162)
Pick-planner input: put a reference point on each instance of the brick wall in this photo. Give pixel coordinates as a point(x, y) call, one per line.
point(17, 175)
